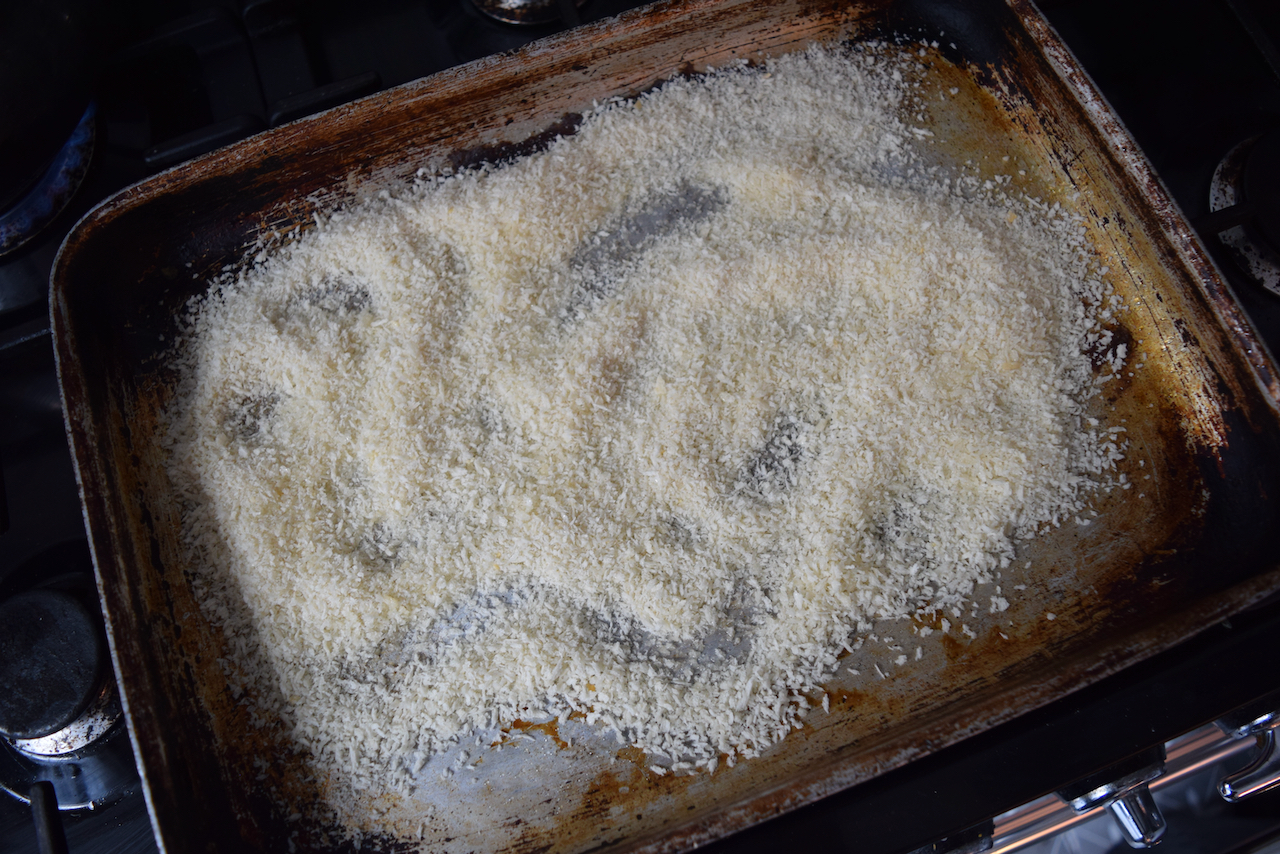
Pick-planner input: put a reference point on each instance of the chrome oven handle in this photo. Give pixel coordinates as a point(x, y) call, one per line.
point(1139, 817)
point(1261, 722)
point(1123, 790)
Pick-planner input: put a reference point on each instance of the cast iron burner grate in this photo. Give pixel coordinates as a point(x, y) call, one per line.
point(47, 198)
point(1244, 204)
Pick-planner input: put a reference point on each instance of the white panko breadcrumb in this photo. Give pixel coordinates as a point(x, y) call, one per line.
point(644, 425)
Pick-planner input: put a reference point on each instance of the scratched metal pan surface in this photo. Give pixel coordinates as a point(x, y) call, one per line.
point(1187, 544)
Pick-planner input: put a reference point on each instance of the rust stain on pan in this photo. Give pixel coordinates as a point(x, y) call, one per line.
point(550, 728)
point(1201, 421)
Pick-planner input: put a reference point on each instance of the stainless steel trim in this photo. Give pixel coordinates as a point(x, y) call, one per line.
point(1050, 815)
point(1262, 774)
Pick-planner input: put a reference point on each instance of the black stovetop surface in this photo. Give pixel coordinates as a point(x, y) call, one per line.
point(175, 79)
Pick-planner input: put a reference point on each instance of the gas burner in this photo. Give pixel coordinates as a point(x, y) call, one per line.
point(531, 11)
point(1244, 204)
point(91, 777)
point(94, 722)
point(52, 659)
point(60, 715)
point(51, 193)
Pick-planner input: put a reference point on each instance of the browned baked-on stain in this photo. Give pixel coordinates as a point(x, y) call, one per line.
point(954, 649)
point(531, 846)
point(1098, 352)
point(1118, 384)
point(641, 760)
point(846, 697)
point(601, 794)
point(801, 728)
point(550, 728)
point(635, 756)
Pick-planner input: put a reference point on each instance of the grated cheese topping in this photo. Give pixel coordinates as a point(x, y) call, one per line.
point(648, 425)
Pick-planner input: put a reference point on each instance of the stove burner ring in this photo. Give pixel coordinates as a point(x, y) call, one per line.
point(531, 12)
point(1248, 228)
point(95, 776)
point(94, 722)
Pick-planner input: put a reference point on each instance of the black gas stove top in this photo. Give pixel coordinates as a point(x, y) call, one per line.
point(159, 83)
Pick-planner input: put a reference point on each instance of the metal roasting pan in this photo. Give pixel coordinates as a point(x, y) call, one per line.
point(1192, 542)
